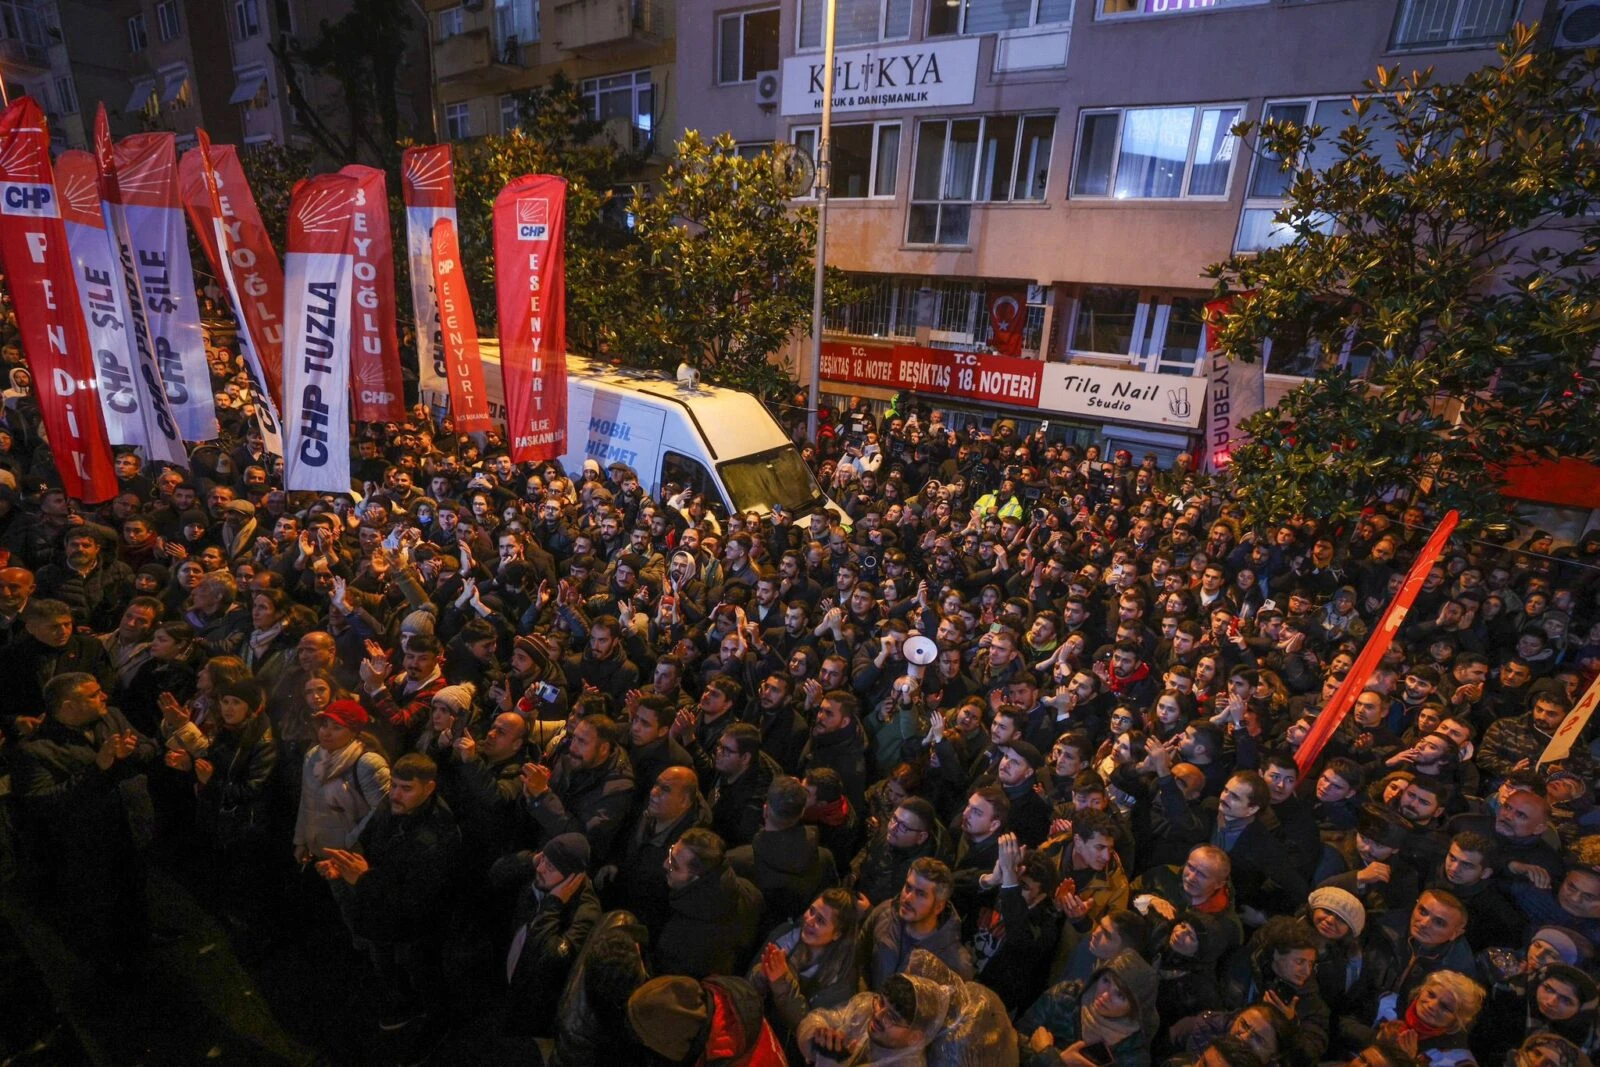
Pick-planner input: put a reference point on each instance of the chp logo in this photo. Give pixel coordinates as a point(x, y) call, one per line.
point(533, 219)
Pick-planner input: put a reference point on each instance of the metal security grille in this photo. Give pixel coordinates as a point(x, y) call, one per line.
point(1433, 23)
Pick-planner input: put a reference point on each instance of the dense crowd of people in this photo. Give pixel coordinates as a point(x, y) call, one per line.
point(996, 766)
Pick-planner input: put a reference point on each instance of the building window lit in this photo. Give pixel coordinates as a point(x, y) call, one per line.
point(629, 96)
point(959, 162)
point(1156, 153)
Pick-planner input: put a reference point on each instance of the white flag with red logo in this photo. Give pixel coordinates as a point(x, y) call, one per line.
point(131, 397)
point(430, 194)
point(319, 276)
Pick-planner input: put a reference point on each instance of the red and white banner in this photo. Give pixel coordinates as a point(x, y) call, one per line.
point(374, 353)
point(254, 262)
point(469, 404)
point(1378, 642)
point(1008, 318)
point(430, 193)
point(210, 215)
point(1236, 389)
point(139, 182)
point(131, 398)
point(991, 379)
point(530, 221)
point(319, 276)
point(38, 266)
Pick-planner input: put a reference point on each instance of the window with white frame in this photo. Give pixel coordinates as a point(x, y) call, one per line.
point(458, 121)
point(946, 17)
point(1122, 9)
point(66, 96)
point(865, 158)
point(747, 44)
point(855, 22)
point(1155, 330)
point(167, 21)
point(1156, 153)
point(986, 159)
point(1452, 23)
point(1270, 181)
point(246, 18)
point(516, 23)
point(452, 22)
point(138, 39)
point(629, 95)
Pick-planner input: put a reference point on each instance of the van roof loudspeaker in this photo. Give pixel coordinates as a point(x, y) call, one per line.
point(688, 377)
point(920, 650)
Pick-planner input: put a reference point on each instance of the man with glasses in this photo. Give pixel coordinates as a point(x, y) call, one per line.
point(739, 788)
point(880, 867)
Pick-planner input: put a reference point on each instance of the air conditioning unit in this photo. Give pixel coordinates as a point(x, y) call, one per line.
point(1578, 24)
point(767, 87)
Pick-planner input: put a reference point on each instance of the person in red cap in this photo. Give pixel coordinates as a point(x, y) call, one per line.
point(343, 781)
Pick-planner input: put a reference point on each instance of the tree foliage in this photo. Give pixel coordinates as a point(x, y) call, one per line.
point(1450, 285)
point(723, 278)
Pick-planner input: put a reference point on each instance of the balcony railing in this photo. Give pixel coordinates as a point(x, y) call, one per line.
point(598, 26)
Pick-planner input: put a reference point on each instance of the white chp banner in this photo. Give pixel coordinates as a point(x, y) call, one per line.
point(929, 74)
point(428, 178)
point(131, 397)
point(147, 183)
point(318, 278)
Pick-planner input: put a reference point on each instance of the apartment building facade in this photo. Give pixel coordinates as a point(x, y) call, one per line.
point(620, 53)
point(1062, 170)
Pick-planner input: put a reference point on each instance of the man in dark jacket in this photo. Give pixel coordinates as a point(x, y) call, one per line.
point(393, 890)
point(783, 731)
point(919, 917)
point(590, 792)
point(837, 742)
point(784, 861)
point(637, 877)
point(879, 869)
point(86, 817)
point(90, 580)
point(1015, 924)
point(555, 915)
point(483, 783)
point(47, 649)
point(651, 748)
point(603, 664)
point(739, 790)
point(715, 915)
point(1406, 946)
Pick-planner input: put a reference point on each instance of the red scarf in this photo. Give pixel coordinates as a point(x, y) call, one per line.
point(1415, 1024)
point(830, 813)
point(1119, 682)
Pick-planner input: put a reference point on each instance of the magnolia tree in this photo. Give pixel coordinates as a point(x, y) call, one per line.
point(1443, 262)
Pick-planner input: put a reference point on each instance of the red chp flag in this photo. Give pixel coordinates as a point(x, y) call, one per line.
point(430, 193)
point(1344, 698)
point(375, 353)
point(530, 217)
point(469, 404)
point(318, 279)
point(211, 216)
point(38, 269)
point(251, 257)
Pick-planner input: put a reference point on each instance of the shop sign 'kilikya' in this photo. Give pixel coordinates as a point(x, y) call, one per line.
point(923, 75)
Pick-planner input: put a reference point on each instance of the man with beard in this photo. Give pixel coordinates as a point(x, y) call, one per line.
point(554, 917)
point(1515, 743)
point(836, 743)
point(920, 916)
point(700, 731)
point(1518, 828)
point(590, 792)
point(738, 792)
point(91, 582)
point(715, 915)
point(603, 663)
point(1378, 873)
point(783, 731)
point(394, 886)
point(879, 869)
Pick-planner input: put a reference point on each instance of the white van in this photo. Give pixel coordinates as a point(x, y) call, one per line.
point(719, 442)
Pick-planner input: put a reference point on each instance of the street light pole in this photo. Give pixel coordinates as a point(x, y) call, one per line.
point(824, 180)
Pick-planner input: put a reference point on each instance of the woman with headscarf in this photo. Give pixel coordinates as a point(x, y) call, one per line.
point(1560, 999)
point(1078, 1024)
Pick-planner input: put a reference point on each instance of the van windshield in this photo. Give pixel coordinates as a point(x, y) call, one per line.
point(776, 476)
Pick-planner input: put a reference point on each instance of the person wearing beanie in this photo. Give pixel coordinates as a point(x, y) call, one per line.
point(555, 914)
point(717, 1021)
point(1017, 774)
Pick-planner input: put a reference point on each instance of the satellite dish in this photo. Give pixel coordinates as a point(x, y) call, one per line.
point(920, 650)
point(795, 171)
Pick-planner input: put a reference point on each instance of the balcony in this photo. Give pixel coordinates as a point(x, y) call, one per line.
point(470, 58)
point(24, 39)
point(611, 27)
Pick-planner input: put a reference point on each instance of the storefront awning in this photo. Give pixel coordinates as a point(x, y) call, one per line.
point(249, 85)
point(141, 94)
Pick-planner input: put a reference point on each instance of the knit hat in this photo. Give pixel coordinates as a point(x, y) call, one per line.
point(567, 853)
point(458, 698)
point(531, 647)
point(1343, 904)
point(347, 713)
point(193, 517)
point(1564, 941)
point(668, 1014)
point(417, 622)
